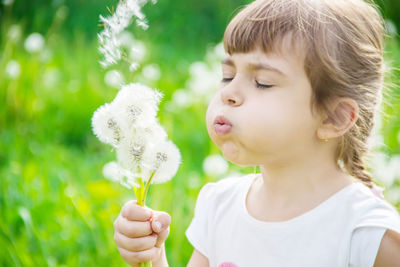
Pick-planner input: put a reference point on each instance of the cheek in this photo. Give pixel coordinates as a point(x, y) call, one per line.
point(210, 115)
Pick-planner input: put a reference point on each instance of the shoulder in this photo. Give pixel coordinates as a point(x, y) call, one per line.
point(388, 253)
point(225, 186)
point(223, 190)
point(371, 210)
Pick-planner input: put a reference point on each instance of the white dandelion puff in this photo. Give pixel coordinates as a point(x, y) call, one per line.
point(136, 105)
point(34, 42)
point(130, 151)
point(106, 125)
point(163, 159)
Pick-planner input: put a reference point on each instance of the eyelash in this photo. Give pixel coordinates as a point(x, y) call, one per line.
point(258, 85)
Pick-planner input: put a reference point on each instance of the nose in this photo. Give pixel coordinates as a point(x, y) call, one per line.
point(231, 96)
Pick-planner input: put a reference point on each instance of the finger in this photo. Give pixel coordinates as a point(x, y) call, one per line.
point(133, 212)
point(133, 257)
point(132, 229)
point(135, 244)
point(161, 221)
point(161, 237)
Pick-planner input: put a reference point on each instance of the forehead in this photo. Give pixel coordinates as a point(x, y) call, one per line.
point(282, 61)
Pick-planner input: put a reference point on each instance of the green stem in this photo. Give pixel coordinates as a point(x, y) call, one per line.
point(140, 194)
point(147, 186)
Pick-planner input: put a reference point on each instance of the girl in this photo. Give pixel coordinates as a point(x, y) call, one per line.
point(300, 88)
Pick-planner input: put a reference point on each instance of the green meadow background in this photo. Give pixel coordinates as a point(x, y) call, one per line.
point(56, 208)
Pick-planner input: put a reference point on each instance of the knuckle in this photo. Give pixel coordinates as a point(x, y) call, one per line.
point(115, 224)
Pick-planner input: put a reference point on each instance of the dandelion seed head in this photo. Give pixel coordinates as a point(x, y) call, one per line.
point(137, 105)
point(34, 42)
point(163, 159)
point(130, 152)
point(105, 125)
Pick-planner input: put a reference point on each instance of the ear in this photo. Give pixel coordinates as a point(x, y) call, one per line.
point(341, 115)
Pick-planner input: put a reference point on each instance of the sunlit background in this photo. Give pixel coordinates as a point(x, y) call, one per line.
point(56, 208)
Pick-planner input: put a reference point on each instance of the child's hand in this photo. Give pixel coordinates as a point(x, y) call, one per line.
point(140, 232)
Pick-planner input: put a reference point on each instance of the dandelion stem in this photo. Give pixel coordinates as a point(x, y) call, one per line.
point(147, 186)
point(140, 193)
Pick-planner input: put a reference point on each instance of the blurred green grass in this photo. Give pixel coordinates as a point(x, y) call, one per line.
point(56, 209)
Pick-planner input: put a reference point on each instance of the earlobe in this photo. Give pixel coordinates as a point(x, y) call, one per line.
point(341, 116)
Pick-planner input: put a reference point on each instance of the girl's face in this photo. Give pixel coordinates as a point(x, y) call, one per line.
point(261, 112)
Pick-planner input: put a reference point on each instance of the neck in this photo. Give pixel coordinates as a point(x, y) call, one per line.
point(312, 178)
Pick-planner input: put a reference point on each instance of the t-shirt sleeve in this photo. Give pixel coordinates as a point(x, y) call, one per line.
point(198, 230)
point(364, 246)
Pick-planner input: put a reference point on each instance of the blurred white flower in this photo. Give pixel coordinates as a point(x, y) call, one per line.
point(14, 33)
point(203, 80)
point(46, 55)
point(391, 27)
point(392, 194)
point(113, 171)
point(134, 66)
point(152, 72)
point(13, 69)
point(219, 52)
point(163, 159)
point(25, 215)
point(126, 39)
point(34, 42)
point(7, 2)
point(385, 169)
point(105, 125)
point(194, 181)
point(215, 165)
point(181, 98)
point(51, 77)
point(113, 78)
point(137, 51)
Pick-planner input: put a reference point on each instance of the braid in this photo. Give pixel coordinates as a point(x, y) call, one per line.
point(352, 156)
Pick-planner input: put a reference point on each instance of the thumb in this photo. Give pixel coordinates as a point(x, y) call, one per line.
point(160, 221)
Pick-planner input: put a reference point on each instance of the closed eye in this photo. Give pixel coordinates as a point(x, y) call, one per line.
point(225, 80)
point(260, 85)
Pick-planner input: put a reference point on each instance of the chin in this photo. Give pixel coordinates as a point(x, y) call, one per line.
point(237, 159)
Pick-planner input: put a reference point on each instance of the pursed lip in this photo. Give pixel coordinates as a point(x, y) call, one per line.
point(222, 125)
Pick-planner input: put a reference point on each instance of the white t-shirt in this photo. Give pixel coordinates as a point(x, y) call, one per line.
point(344, 230)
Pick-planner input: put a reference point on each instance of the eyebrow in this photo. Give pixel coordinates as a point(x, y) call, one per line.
point(254, 66)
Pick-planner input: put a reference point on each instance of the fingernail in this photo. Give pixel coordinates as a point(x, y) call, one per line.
point(157, 226)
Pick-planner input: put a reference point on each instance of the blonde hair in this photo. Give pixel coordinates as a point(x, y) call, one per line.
point(343, 40)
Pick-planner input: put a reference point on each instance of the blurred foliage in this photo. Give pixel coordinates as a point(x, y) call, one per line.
point(56, 209)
